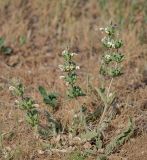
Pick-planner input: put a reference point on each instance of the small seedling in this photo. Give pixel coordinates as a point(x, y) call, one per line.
point(22, 40)
point(4, 49)
point(49, 98)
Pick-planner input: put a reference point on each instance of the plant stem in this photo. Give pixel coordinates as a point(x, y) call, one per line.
point(109, 87)
point(104, 113)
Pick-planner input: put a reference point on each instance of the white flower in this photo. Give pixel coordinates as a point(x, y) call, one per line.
point(36, 105)
point(109, 43)
point(101, 29)
point(77, 67)
point(110, 95)
point(61, 67)
point(64, 52)
point(62, 77)
point(71, 67)
point(75, 116)
point(16, 102)
point(41, 152)
point(104, 39)
point(73, 54)
point(11, 88)
point(113, 45)
point(107, 56)
point(67, 83)
point(106, 30)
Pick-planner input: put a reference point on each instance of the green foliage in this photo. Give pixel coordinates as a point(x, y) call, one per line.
point(110, 67)
point(103, 3)
point(107, 100)
point(2, 40)
point(22, 40)
point(70, 67)
point(75, 91)
point(17, 89)
point(71, 78)
point(26, 104)
point(32, 117)
point(111, 58)
point(1, 140)
point(4, 49)
point(81, 126)
point(115, 72)
point(49, 98)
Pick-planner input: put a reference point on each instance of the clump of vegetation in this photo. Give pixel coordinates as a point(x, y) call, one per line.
point(25, 103)
point(84, 130)
point(32, 113)
point(70, 77)
point(110, 68)
point(3, 48)
point(50, 99)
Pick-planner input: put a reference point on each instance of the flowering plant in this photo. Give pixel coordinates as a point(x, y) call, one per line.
point(110, 66)
point(70, 77)
point(25, 103)
point(112, 55)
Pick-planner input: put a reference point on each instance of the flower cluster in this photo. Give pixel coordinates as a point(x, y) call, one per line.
point(111, 43)
point(112, 57)
point(70, 77)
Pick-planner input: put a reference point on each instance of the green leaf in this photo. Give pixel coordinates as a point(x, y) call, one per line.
point(49, 98)
point(22, 40)
point(111, 98)
point(42, 91)
point(75, 91)
point(6, 50)
point(2, 40)
point(27, 104)
point(101, 93)
point(32, 117)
